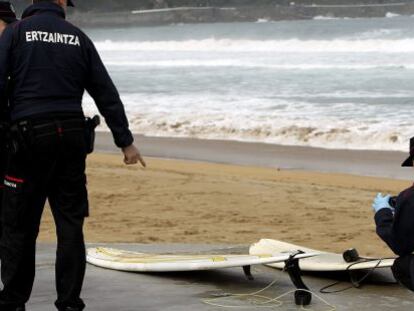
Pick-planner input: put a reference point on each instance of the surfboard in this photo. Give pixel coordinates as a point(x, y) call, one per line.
point(141, 262)
point(323, 262)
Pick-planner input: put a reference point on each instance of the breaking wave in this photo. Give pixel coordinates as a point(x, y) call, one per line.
point(244, 64)
point(392, 15)
point(277, 46)
point(279, 126)
point(295, 133)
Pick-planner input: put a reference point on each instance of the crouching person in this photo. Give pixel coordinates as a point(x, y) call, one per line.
point(394, 218)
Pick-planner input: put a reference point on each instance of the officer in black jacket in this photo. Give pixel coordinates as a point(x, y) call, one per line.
point(395, 226)
point(50, 63)
point(7, 16)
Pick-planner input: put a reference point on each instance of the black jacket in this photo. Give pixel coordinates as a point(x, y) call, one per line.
point(398, 230)
point(50, 63)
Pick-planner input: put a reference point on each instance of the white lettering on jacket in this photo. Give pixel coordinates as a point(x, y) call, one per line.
point(52, 37)
point(10, 184)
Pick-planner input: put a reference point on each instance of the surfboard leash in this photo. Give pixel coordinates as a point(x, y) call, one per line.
point(355, 283)
point(260, 300)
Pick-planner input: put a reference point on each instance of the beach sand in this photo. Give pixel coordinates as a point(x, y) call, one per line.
point(176, 201)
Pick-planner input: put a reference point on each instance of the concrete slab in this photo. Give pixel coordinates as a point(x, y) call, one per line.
point(106, 290)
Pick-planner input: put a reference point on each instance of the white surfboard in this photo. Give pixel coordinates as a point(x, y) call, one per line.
point(140, 262)
point(324, 262)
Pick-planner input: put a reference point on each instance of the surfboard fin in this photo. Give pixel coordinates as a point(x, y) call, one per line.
point(302, 296)
point(248, 272)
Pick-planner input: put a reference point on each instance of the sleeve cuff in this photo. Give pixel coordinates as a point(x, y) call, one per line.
point(384, 212)
point(126, 141)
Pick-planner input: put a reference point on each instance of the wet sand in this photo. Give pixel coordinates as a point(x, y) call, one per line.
point(176, 201)
point(358, 162)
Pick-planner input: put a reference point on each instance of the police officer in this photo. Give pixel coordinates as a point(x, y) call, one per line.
point(50, 63)
point(395, 226)
point(7, 16)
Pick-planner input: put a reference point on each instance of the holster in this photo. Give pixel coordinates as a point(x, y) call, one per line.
point(90, 125)
point(19, 137)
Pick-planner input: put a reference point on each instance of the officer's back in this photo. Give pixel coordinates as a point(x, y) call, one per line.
point(50, 62)
point(53, 62)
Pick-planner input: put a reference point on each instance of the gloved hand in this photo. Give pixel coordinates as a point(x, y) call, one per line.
point(381, 202)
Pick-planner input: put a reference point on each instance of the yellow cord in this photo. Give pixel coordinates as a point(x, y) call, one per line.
point(266, 302)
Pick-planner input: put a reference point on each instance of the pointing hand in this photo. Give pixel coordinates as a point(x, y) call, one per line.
point(133, 156)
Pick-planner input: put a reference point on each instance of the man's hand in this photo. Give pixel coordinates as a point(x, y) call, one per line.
point(132, 156)
point(381, 202)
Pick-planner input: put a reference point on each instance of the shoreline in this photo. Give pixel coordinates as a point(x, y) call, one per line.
point(371, 163)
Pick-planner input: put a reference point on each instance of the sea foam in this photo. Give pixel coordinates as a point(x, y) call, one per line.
point(278, 46)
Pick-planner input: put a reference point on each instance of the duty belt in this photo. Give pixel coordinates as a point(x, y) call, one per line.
point(46, 128)
point(23, 133)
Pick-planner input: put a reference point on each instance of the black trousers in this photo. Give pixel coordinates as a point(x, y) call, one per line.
point(48, 167)
point(2, 174)
point(403, 271)
point(2, 170)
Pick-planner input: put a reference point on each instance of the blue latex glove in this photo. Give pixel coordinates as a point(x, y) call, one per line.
point(381, 202)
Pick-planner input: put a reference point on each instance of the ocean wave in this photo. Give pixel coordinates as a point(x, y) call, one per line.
point(247, 64)
point(294, 134)
point(324, 17)
point(277, 46)
point(392, 15)
point(263, 20)
point(331, 133)
point(383, 33)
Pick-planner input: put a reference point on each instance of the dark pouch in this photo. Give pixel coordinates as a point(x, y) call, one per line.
point(20, 137)
point(90, 125)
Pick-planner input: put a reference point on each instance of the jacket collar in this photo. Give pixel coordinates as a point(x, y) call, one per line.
point(44, 8)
